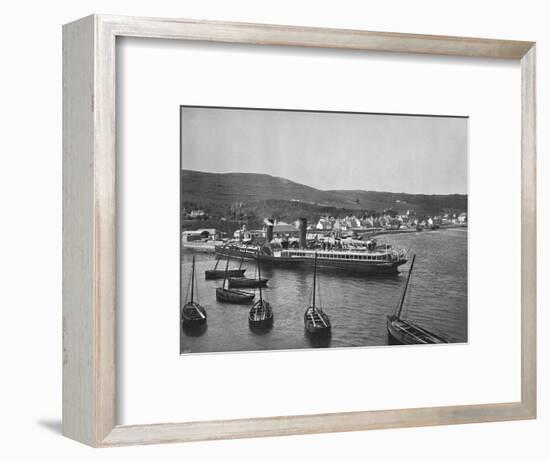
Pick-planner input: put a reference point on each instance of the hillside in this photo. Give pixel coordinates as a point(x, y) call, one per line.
point(245, 187)
point(259, 195)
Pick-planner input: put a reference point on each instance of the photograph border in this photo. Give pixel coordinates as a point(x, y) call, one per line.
point(319, 111)
point(90, 217)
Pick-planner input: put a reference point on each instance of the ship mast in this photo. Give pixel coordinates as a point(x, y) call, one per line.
point(259, 278)
point(192, 278)
point(400, 306)
point(242, 257)
point(314, 279)
point(220, 256)
point(225, 273)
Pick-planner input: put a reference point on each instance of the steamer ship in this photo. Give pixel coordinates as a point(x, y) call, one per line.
point(364, 257)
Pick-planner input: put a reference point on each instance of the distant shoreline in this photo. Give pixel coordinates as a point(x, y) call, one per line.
point(209, 246)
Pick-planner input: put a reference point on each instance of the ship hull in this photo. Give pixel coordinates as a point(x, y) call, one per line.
point(317, 322)
point(261, 314)
point(192, 322)
point(349, 266)
point(220, 274)
point(233, 296)
point(263, 323)
point(406, 333)
point(318, 331)
point(246, 283)
point(193, 314)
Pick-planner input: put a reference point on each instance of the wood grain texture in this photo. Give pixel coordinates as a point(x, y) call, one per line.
point(89, 253)
point(89, 229)
point(313, 424)
point(269, 34)
point(79, 358)
point(529, 232)
point(105, 228)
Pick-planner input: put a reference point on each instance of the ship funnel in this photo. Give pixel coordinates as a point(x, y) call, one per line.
point(268, 230)
point(303, 230)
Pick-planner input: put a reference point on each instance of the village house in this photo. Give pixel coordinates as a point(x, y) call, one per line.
point(339, 226)
point(199, 234)
point(324, 224)
point(367, 222)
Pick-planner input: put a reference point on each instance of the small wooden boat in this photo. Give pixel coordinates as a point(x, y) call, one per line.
point(316, 321)
point(192, 313)
point(216, 274)
point(245, 282)
point(405, 332)
point(232, 296)
point(261, 313)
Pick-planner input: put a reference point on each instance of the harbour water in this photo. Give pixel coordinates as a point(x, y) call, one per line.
point(437, 299)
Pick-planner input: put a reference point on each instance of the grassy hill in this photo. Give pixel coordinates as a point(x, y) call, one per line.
point(255, 196)
point(244, 187)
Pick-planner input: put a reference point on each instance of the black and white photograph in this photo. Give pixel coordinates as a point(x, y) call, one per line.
point(314, 229)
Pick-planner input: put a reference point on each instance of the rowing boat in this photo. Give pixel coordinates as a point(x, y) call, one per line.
point(192, 313)
point(215, 274)
point(402, 331)
point(261, 313)
point(228, 295)
point(246, 282)
point(316, 321)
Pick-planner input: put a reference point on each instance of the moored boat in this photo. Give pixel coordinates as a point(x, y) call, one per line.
point(245, 282)
point(232, 296)
point(316, 321)
point(192, 313)
point(261, 313)
point(215, 274)
point(402, 331)
point(405, 332)
point(219, 274)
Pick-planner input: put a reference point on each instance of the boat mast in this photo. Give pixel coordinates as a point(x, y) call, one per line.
point(314, 279)
point(192, 278)
point(259, 278)
point(400, 307)
point(242, 257)
point(225, 273)
point(219, 256)
point(217, 262)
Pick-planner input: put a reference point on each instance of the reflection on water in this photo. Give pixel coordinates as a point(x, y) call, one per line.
point(357, 304)
point(319, 341)
point(195, 330)
point(260, 330)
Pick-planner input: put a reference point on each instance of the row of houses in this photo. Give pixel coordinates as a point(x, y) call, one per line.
point(283, 230)
point(387, 220)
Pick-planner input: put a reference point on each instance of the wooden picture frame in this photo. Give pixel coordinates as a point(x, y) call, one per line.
point(89, 233)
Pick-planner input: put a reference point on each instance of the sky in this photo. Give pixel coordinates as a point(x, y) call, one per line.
point(330, 150)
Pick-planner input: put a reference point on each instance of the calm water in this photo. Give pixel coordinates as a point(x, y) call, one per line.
point(357, 305)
